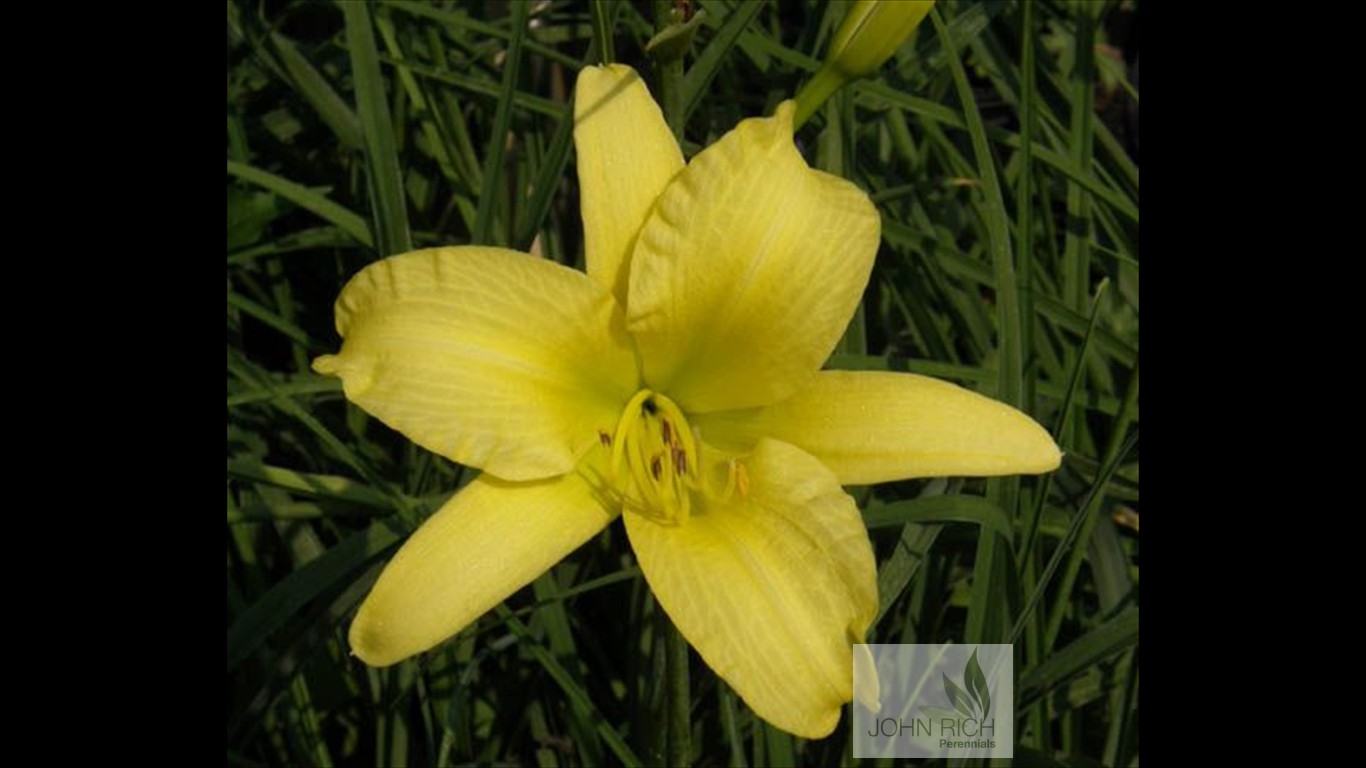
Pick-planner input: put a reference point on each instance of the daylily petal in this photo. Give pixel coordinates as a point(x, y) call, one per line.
point(771, 588)
point(489, 357)
point(626, 156)
point(748, 271)
point(873, 427)
point(488, 541)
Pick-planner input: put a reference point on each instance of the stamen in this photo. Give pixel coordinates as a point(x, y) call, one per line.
point(652, 443)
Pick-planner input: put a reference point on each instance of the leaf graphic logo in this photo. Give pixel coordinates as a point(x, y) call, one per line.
point(972, 699)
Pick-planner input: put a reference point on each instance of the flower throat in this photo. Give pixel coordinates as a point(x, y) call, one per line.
point(655, 458)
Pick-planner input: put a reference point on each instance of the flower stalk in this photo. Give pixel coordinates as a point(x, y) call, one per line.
point(602, 13)
point(669, 68)
point(678, 688)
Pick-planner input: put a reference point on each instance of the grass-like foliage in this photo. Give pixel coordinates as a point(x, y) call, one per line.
point(1000, 146)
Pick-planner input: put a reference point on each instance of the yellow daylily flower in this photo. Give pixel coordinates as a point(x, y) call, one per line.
point(678, 384)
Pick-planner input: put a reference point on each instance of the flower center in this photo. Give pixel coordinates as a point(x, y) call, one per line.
point(655, 458)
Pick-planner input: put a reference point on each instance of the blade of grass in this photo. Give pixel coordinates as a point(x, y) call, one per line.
point(729, 727)
point(458, 20)
point(577, 696)
point(1069, 539)
point(331, 487)
point(308, 199)
point(293, 592)
point(876, 95)
point(438, 139)
point(980, 626)
point(1024, 201)
point(708, 63)
point(1115, 451)
point(778, 747)
point(1076, 266)
point(1051, 308)
point(552, 616)
point(1065, 413)
point(303, 240)
point(291, 331)
point(940, 509)
point(483, 86)
point(301, 385)
point(502, 120)
point(899, 570)
point(1091, 648)
point(315, 89)
point(388, 205)
point(546, 182)
point(246, 372)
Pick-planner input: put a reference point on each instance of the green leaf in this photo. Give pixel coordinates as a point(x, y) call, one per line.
point(388, 205)
point(315, 89)
point(306, 198)
point(493, 163)
point(249, 213)
point(940, 509)
point(708, 63)
point(1101, 643)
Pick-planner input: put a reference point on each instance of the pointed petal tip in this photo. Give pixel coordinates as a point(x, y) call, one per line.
point(489, 540)
point(626, 156)
point(366, 638)
point(354, 371)
point(1042, 453)
point(327, 365)
point(784, 114)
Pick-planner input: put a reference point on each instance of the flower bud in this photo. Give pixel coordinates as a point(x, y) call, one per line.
point(871, 32)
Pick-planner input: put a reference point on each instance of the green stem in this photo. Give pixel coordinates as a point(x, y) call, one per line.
point(814, 93)
point(602, 12)
point(679, 696)
point(670, 77)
